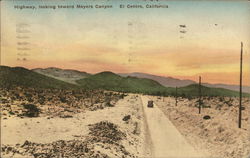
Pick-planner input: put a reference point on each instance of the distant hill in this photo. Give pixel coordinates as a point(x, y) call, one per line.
point(114, 82)
point(71, 76)
point(193, 90)
point(19, 76)
point(165, 81)
point(111, 81)
point(66, 75)
point(245, 89)
point(173, 82)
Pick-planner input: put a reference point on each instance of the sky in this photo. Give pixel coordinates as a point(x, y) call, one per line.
point(131, 40)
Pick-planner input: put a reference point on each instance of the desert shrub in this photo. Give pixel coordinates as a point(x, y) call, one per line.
point(219, 106)
point(11, 113)
point(221, 99)
point(30, 100)
point(203, 105)
point(96, 100)
point(121, 96)
point(206, 106)
point(126, 118)
point(108, 104)
point(209, 98)
point(189, 97)
point(228, 103)
point(3, 100)
point(49, 98)
point(206, 117)
point(62, 99)
point(17, 96)
point(31, 110)
point(41, 100)
point(183, 95)
point(107, 132)
point(28, 95)
point(109, 93)
point(107, 99)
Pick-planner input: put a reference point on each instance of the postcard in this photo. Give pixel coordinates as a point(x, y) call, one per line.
point(125, 79)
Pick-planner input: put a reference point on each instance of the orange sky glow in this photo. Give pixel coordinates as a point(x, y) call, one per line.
point(126, 41)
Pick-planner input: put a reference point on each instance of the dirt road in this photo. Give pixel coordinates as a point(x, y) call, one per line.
point(166, 139)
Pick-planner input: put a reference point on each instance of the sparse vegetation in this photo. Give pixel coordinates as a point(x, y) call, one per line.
point(206, 117)
point(216, 126)
point(126, 118)
point(106, 132)
point(31, 110)
point(67, 102)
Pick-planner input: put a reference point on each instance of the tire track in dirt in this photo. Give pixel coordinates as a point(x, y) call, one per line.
point(148, 145)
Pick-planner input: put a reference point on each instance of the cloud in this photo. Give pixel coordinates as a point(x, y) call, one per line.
point(195, 57)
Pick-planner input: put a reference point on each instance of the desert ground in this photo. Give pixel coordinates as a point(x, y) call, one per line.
point(65, 123)
point(98, 124)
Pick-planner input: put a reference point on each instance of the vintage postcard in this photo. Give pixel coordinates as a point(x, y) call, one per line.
point(125, 79)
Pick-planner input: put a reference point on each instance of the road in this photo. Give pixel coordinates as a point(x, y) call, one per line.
point(166, 139)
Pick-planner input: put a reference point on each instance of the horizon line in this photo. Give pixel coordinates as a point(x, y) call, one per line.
point(70, 69)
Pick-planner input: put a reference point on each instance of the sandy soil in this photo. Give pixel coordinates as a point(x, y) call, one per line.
point(20, 135)
point(218, 136)
point(108, 124)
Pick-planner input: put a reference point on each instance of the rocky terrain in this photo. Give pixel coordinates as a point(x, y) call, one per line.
point(104, 134)
point(68, 123)
point(30, 102)
point(42, 123)
point(66, 75)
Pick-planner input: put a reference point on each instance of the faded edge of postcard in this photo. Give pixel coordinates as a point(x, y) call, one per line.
point(124, 79)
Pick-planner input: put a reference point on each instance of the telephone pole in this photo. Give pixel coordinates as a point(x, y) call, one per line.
point(199, 94)
point(176, 96)
point(240, 106)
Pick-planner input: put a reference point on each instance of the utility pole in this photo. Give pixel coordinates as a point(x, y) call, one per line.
point(176, 96)
point(0, 65)
point(240, 106)
point(199, 94)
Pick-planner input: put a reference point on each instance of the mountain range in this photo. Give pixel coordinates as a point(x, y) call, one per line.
point(19, 76)
point(134, 83)
point(71, 76)
point(165, 81)
point(174, 82)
